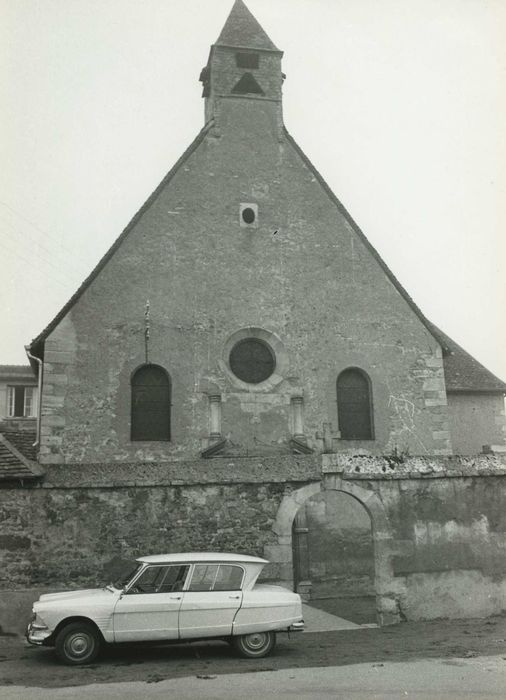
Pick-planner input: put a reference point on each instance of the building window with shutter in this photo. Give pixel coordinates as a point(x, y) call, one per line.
point(151, 397)
point(354, 405)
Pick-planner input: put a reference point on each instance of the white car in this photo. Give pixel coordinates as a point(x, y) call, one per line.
point(170, 597)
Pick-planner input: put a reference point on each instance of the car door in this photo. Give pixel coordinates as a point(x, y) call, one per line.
point(149, 610)
point(211, 601)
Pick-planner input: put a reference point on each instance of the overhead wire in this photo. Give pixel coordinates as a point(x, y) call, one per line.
point(16, 254)
point(51, 237)
point(55, 252)
point(45, 233)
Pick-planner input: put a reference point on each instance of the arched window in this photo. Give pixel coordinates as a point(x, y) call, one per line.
point(151, 392)
point(354, 405)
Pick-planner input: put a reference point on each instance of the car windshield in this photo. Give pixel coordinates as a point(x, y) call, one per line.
point(127, 575)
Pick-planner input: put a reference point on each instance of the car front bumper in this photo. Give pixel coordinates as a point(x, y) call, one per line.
point(37, 634)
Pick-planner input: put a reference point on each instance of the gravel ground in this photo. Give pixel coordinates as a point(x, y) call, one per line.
point(21, 664)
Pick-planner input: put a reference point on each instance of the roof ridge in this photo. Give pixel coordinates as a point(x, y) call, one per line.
point(32, 346)
point(428, 325)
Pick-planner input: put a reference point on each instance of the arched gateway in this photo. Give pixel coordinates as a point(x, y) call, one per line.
point(384, 582)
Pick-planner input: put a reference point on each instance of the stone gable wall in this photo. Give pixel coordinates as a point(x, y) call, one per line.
point(302, 274)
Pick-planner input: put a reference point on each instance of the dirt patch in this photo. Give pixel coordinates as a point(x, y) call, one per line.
point(447, 639)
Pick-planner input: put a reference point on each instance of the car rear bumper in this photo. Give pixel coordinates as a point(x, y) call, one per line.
point(297, 626)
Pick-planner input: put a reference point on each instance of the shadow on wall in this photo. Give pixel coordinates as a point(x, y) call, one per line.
point(333, 548)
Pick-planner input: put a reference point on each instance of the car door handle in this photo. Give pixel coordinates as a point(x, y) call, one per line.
point(234, 597)
point(175, 597)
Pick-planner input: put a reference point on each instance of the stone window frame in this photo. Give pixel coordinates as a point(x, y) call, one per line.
point(278, 349)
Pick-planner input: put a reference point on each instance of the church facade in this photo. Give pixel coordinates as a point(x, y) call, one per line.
point(243, 312)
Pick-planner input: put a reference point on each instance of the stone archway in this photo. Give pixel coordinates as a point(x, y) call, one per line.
point(384, 583)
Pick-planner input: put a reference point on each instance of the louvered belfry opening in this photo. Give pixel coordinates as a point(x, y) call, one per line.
point(354, 406)
point(247, 85)
point(151, 396)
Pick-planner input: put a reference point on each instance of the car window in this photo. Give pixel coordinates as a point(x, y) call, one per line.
point(216, 577)
point(229, 578)
point(174, 579)
point(161, 579)
point(203, 577)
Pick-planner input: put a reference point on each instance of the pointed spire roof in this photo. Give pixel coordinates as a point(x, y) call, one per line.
point(241, 29)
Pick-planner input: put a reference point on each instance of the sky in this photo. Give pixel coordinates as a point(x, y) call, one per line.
point(400, 104)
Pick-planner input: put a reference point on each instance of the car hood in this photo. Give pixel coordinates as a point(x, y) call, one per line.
point(85, 595)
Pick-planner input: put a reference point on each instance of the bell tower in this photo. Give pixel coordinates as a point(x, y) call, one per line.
point(243, 65)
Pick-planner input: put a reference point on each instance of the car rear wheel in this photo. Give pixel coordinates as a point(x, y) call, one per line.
point(255, 645)
point(77, 643)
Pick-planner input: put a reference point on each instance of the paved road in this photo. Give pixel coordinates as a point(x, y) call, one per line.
point(482, 678)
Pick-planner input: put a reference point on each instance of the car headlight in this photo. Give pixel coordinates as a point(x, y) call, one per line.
point(36, 623)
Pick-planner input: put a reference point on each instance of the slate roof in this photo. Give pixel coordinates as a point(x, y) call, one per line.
point(465, 374)
point(242, 30)
point(14, 464)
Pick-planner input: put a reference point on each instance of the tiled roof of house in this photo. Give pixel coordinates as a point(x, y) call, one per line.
point(242, 29)
point(14, 464)
point(17, 372)
point(464, 373)
point(22, 440)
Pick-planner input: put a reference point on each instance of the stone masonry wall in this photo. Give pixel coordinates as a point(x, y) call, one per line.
point(71, 530)
point(439, 526)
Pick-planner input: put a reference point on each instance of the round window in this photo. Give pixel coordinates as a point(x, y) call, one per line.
point(252, 360)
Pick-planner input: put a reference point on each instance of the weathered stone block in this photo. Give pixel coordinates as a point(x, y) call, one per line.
point(58, 356)
point(441, 435)
point(435, 402)
point(434, 384)
point(56, 421)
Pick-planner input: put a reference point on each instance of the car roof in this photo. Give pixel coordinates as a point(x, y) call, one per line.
point(200, 557)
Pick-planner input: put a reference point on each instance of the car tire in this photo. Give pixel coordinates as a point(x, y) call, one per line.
point(77, 643)
point(255, 645)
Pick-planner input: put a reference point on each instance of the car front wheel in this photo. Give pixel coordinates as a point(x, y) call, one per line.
point(255, 645)
point(77, 643)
